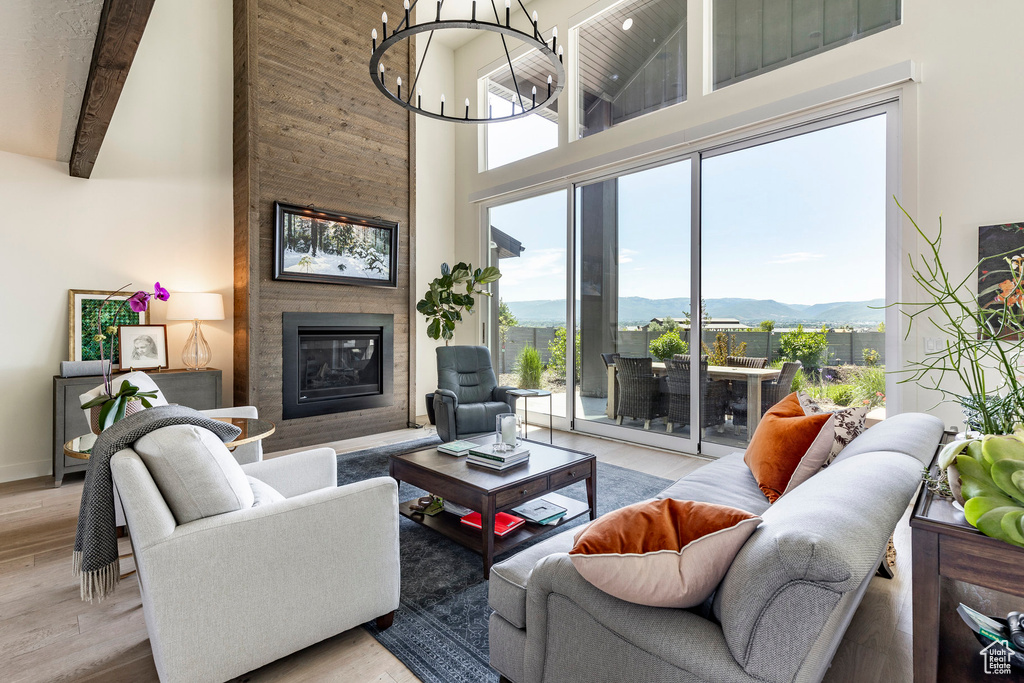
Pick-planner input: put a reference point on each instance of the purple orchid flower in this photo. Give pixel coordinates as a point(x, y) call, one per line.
point(139, 301)
point(161, 293)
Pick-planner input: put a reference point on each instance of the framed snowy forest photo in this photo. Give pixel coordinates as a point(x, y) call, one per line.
point(316, 245)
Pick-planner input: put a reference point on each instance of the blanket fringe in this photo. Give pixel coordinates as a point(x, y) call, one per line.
point(98, 582)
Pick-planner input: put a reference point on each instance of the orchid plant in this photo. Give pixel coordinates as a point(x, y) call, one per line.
point(114, 403)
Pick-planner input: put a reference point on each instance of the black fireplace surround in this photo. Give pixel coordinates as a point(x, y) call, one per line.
point(336, 362)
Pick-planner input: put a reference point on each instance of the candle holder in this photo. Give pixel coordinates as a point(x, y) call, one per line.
point(506, 430)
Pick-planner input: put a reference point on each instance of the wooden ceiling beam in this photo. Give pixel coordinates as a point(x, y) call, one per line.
point(122, 23)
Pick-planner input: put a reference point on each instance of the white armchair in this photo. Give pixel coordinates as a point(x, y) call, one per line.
point(321, 561)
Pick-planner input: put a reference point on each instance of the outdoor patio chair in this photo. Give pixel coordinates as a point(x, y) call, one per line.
point(738, 388)
point(771, 393)
point(639, 396)
point(713, 399)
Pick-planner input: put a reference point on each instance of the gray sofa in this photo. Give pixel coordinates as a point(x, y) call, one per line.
point(778, 615)
point(468, 397)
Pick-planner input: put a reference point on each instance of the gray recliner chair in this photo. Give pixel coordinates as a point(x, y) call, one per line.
point(468, 397)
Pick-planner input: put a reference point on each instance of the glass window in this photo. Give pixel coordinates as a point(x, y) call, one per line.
point(754, 36)
point(514, 140)
point(631, 61)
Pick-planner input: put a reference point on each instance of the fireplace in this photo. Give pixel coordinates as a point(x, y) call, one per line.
point(336, 362)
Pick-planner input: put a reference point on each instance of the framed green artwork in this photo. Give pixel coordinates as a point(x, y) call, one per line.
point(83, 308)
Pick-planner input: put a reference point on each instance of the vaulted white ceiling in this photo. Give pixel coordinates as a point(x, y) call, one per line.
point(45, 51)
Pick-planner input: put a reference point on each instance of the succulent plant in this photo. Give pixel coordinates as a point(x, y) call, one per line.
point(991, 477)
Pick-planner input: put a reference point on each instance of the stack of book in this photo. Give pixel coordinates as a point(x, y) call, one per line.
point(540, 511)
point(485, 456)
point(457, 448)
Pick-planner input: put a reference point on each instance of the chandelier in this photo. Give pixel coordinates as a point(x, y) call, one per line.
point(412, 98)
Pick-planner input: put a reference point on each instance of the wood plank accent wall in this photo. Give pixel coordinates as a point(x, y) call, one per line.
point(311, 129)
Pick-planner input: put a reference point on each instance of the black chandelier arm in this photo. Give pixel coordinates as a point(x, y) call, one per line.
point(508, 58)
point(430, 39)
point(381, 49)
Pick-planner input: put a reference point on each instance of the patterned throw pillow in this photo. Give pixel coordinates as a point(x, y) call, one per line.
point(849, 423)
point(662, 553)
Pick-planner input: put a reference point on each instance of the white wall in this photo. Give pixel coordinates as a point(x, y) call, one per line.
point(961, 136)
point(158, 207)
point(435, 205)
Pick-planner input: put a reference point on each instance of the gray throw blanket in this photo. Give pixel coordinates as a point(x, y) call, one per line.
point(95, 557)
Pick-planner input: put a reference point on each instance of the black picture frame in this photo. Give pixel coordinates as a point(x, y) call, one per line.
point(317, 262)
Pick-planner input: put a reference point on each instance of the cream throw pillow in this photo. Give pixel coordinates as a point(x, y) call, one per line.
point(662, 553)
point(849, 423)
point(195, 472)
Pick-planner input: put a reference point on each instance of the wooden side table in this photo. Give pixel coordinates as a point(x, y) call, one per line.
point(945, 545)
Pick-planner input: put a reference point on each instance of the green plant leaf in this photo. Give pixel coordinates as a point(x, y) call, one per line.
point(1008, 475)
point(146, 403)
point(979, 506)
point(996, 448)
point(122, 406)
point(1011, 526)
point(990, 523)
point(949, 453)
point(488, 275)
point(445, 270)
point(98, 401)
point(434, 329)
point(105, 413)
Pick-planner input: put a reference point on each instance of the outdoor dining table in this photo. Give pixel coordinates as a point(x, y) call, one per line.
point(752, 376)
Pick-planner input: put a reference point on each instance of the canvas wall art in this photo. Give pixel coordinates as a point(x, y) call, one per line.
point(316, 245)
point(83, 307)
point(1001, 272)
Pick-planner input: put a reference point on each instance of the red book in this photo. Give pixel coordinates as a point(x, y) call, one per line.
point(503, 522)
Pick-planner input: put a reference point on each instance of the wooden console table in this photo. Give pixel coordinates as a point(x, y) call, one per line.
point(945, 545)
point(199, 389)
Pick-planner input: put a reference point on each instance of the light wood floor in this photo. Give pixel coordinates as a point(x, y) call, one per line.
point(48, 634)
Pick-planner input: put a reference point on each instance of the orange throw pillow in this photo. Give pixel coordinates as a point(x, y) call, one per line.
point(788, 447)
point(662, 553)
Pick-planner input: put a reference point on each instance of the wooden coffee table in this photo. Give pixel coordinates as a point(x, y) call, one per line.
point(549, 469)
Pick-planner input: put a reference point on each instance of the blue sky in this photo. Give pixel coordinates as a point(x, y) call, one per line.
point(801, 220)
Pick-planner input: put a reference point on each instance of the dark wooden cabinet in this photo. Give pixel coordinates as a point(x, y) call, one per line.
point(199, 389)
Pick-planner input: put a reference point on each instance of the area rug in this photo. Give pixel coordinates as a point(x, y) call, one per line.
point(440, 628)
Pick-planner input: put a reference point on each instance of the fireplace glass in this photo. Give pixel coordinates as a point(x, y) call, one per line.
point(339, 364)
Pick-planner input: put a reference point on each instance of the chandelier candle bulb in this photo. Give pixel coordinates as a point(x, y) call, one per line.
point(384, 22)
point(559, 53)
point(508, 12)
point(467, 107)
point(535, 33)
point(534, 97)
point(373, 34)
point(442, 104)
point(438, 10)
point(474, 10)
point(549, 85)
point(419, 99)
point(554, 39)
point(406, 6)
point(399, 87)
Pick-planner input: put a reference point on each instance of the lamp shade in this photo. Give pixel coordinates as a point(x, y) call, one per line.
point(195, 306)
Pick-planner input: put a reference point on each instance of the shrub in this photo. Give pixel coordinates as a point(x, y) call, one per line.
point(766, 326)
point(656, 329)
point(556, 347)
point(840, 394)
point(799, 381)
point(871, 357)
point(807, 347)
point(869, 386)
point(667, 345)
point(722, 348)
point(529, 368)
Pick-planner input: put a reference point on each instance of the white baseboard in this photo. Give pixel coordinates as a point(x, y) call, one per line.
point(25, 470)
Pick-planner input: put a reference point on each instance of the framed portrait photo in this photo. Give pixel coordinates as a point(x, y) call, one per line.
point(143, 347)
point(316, 245)
point(83, 309)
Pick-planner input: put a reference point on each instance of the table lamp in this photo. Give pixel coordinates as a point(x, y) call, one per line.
point(197, 307)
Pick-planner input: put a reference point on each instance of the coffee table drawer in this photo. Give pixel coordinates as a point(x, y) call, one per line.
point(566, 477)
point(522, 492)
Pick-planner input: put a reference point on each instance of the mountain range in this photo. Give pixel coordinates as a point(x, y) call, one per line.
point(636, 310)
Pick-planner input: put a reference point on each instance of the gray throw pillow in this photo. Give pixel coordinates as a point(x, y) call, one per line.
point(195, 472)
point(263, 492)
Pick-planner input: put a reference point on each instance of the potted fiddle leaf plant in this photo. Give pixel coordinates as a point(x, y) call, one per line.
point(979, 369)
point(451, 295)
point(111, 406)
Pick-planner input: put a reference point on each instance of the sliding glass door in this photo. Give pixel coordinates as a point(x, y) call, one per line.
point(706, 287)
point(633, 271)
point(528, 244)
